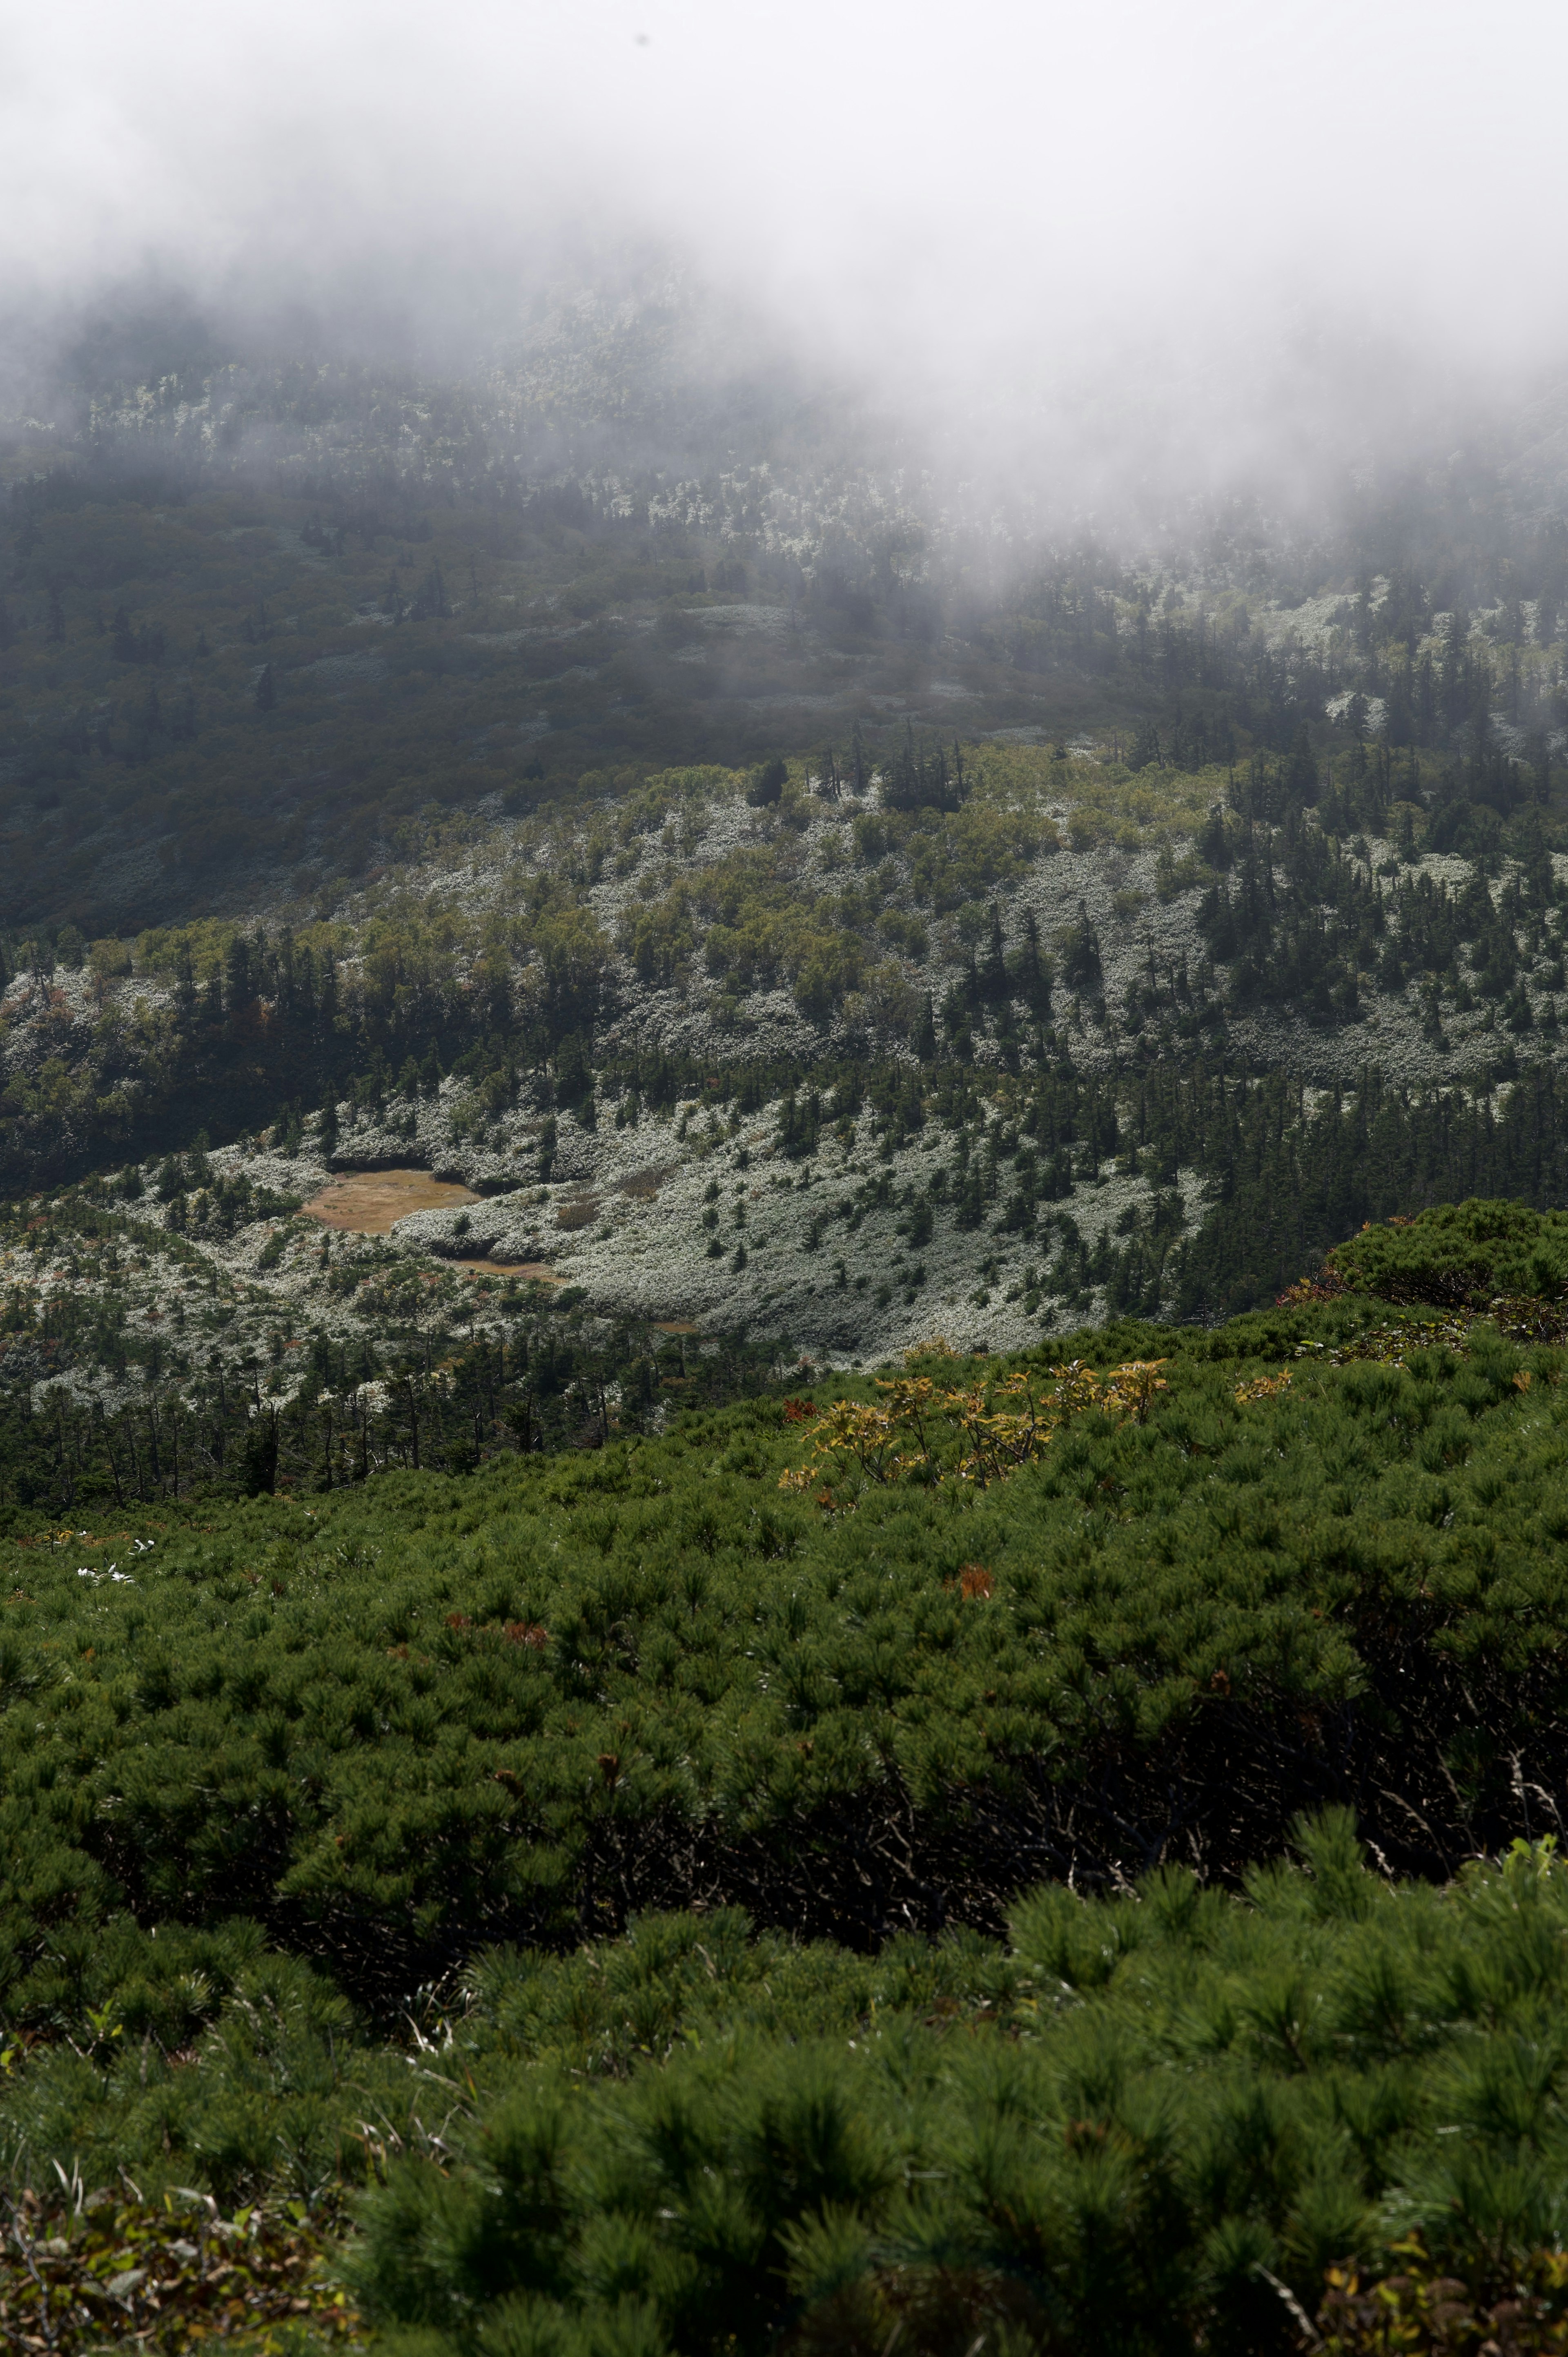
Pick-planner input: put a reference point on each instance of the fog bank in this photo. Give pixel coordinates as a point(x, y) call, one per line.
point(1127, 250)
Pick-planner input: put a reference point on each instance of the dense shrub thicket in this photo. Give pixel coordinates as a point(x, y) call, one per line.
point(398, 1723)
point(341, 1842)
point(1127, 2129)
point(1458, 1254)
point(1142, 2124)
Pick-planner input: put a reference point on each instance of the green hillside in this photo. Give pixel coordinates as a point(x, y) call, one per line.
point(342, 1834)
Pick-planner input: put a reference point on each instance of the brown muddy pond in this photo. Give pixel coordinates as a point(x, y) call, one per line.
point(370, 1201)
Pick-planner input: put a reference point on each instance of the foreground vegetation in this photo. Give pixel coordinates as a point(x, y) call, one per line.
point(1138, 2124)
point(341, 1839)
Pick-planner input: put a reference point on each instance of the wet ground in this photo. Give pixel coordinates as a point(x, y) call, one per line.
point(371, 1201)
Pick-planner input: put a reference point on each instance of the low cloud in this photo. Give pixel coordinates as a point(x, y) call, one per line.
point(1097, 257)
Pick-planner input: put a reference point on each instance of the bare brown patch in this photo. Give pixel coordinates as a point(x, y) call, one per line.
point(643, 1185)
point(371, 1202)
point(580, 1213)
point(674, 1326)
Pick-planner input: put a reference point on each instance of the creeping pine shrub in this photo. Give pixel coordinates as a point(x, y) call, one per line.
point(1201, 1616)
point(1458, 1254)
point(332, 1835)
point(1171, 2121)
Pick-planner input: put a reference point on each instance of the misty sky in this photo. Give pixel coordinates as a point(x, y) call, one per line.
point(1262, 208)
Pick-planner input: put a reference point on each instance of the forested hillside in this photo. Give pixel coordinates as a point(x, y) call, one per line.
point(783, 1305)
point(734, 1068)
point(262, 624)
